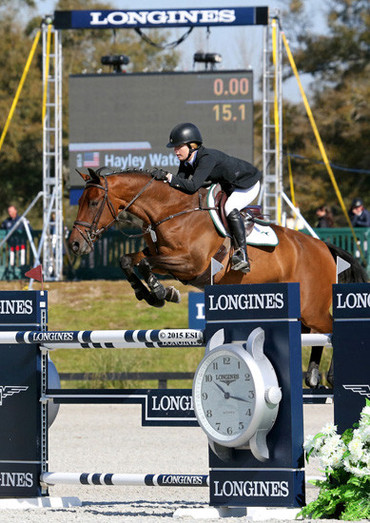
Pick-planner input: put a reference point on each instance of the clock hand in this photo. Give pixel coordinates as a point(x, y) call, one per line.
point(221, 389)
point(239, 399)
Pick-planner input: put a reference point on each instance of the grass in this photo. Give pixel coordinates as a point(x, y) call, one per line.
point(110, 305)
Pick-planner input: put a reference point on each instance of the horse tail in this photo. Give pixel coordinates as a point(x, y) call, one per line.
point(355, 273)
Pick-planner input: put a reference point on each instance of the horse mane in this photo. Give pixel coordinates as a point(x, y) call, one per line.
point(112, 172)
point(157, 189)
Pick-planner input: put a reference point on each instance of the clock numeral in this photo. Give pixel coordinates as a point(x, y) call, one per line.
point(209, 413)
point(247, 376)
point(251, 394)
point(241, 425)
point(218, 426)
point(215, 365)
point(226, 360)
point(249, 412)
point(204, 396)
point(229, 430)
point(208, 377)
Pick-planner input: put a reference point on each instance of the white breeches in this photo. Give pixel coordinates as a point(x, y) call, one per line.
point(240, 198)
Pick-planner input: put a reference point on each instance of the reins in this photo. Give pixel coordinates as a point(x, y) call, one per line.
point(152, 226)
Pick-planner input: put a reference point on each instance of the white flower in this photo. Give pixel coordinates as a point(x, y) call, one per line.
point(309, 443)
point(365, 412)
point(356, 449)
point(332, 442)
point(364, 431)
point(329, 429)
point(366, 458)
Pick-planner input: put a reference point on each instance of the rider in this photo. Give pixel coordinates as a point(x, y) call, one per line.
point(239, 179)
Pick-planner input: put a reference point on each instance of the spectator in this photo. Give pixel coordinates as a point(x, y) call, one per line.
point(325, 217)
point(360, 217)
point(10, 221)
point(16, 243)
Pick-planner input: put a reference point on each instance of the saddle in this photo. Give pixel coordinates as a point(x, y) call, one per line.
point(257, 228)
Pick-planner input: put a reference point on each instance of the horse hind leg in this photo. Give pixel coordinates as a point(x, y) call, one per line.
point(141, 292)
point(161, 292)
point(313, 376)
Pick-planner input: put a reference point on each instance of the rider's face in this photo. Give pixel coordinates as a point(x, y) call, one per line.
point(182, 152)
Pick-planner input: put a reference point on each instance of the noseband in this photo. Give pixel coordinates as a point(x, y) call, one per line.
point(92, 232)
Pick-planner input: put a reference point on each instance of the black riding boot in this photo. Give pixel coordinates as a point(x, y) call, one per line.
point(239, 258)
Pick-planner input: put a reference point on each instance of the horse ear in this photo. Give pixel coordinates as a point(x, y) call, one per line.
point(93, 175)
point(84, 176)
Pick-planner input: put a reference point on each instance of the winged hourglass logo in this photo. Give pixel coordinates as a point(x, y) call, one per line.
point(363, 390)
point(10, 390)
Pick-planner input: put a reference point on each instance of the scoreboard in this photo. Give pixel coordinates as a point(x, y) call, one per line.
point(123, 121)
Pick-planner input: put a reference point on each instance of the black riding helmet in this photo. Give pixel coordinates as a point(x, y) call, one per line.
point(184, 133)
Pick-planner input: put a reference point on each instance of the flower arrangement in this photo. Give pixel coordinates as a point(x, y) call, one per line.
point(345, 491)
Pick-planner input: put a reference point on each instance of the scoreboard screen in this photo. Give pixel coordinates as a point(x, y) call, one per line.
point(123, 121)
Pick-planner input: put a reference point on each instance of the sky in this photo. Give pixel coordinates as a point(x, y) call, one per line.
point(240, 47)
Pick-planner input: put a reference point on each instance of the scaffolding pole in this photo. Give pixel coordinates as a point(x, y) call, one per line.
point(52, 154)
point(272, 129)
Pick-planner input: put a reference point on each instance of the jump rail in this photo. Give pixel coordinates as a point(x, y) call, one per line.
point(149, 480)
point(123, 339)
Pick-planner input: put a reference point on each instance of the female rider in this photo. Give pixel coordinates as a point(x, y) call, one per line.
point(239, 179)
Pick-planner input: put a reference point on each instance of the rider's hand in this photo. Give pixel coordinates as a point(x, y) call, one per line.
point(158, 174)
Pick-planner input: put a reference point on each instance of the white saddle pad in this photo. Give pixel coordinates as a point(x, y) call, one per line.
point(262, 235)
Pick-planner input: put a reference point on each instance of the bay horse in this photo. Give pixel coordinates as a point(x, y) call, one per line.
point(181, 239)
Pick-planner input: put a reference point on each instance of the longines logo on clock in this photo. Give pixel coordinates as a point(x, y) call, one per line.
point(227, 378)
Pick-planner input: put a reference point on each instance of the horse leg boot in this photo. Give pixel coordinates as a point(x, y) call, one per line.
point(153, 283)
point(163, 293)
point(239, 259)
point(141, 292)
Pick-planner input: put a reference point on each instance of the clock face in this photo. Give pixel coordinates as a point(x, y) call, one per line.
point(225, 396)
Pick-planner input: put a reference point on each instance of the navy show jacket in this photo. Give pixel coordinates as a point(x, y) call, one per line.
point(214, 166)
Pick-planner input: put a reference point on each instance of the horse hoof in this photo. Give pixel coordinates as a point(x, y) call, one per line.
point(313, 378)
point(125, 263)
point(173, 295)
point(140, 295)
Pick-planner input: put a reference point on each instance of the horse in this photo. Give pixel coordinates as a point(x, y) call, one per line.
point(181, 240)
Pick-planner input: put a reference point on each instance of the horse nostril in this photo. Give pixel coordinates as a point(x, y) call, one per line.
point(75, 246)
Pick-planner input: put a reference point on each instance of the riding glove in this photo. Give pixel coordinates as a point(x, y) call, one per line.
point(158, 174)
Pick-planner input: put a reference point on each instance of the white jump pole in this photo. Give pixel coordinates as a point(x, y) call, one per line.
point(149, 480)
point(123, 339)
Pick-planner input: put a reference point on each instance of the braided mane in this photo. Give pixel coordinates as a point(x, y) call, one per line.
point(111, 172)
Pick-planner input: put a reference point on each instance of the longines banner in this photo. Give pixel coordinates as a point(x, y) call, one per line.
point(20, 419)
point(244, 480)
point(153, 18)
point(351, 311)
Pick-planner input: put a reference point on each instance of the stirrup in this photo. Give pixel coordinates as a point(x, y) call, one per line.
point(240, 262)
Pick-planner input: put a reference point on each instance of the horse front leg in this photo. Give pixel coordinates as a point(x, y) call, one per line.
point(159, 291)
point(141, 292)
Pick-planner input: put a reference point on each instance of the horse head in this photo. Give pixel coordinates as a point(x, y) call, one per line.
point(96, 213)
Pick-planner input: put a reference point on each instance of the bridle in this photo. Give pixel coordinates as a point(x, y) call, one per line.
point(92, 232)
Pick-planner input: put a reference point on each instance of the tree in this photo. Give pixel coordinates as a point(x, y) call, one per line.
point(21, 154)
point(339, 64)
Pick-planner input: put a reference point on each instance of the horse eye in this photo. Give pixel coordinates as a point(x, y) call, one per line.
point(93, 203)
